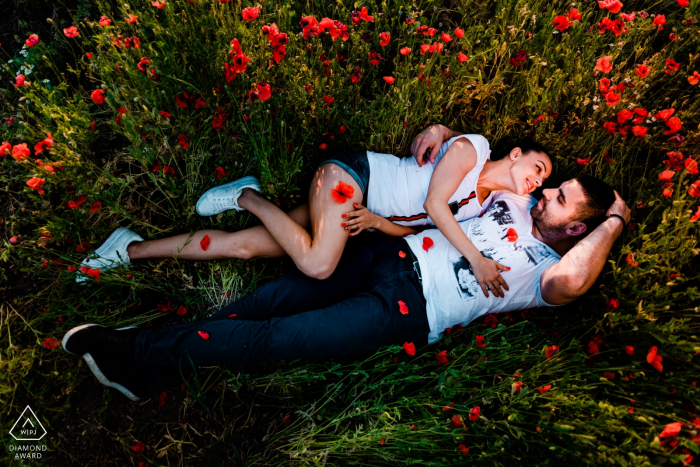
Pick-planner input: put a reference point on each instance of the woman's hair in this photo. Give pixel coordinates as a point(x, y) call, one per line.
point(503, 147)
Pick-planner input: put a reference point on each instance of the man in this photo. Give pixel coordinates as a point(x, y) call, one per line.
point(385, 291)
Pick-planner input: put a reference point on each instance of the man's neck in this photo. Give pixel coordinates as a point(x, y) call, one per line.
point(560, 245)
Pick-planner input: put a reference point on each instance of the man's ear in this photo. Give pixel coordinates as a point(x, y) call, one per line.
point(576, 229)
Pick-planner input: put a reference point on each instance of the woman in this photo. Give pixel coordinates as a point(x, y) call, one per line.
point(402, 196)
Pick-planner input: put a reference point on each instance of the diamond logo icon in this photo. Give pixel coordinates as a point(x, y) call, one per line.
point(28, 427)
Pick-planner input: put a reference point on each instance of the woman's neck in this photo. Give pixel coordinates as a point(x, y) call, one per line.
point(494, 176)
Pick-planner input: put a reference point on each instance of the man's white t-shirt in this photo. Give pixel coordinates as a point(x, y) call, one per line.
point(452, 293)
point(398, 187)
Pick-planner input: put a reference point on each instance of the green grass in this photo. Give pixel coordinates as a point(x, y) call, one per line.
point(350, 411)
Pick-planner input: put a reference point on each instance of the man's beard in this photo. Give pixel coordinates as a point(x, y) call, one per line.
point(547, 228)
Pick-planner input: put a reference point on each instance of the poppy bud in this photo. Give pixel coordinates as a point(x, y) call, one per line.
point(49, 20)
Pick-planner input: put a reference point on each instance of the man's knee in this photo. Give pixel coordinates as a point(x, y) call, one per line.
point(241, 251)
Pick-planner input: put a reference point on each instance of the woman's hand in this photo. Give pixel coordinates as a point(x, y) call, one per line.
point(487, 274)
point(427, 143)
point(360, 219)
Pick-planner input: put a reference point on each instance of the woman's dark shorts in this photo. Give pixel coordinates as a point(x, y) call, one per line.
point(356, 164)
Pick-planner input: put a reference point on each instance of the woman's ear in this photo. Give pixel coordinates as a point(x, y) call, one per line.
point(515, 153)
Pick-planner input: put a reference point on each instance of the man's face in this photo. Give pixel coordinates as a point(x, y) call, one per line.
point(553, 214)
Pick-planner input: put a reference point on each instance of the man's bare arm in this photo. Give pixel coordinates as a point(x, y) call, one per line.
point(576, 272)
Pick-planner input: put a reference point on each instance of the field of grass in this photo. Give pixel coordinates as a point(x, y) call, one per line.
point(140, 117)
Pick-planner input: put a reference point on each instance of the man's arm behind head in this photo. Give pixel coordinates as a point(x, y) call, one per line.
point(578, 269)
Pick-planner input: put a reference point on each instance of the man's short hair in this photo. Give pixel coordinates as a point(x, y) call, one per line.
point(526, 145)
point(599, 197)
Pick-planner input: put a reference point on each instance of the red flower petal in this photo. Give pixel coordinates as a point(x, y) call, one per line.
point(480, 341)
point(203, 334)
point(427, 243)
point(50, 343)
point(474, 414)
point(181, 310)
point(205, 243)
point(163, 398)
point(403, 309)
point(544, 389)
point(409, 348)
point(441, 358)
point(402, 254)
point(671, 430)
point(138, 448)
point(512, 235)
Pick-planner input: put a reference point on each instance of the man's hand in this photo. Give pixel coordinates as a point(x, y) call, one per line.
point(429, 139)
point(620, 208)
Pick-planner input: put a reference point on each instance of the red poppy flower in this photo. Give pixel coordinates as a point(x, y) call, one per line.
point(45, 144)
point(83, 246)
point(456, 421)
point(374, 58)
point(691, 166)
point(130, 18)
point(629, 350)
point(328, 99)
point(696, 216)
point(630, 260)
point(427, 243)
point(167, 170)
point(603, 64)
point(613, 6)
point(655, 359)
point(519, 58)
point(612, 99)
point(561, 23)
point(219, 119)
point(405, 50)
point(446, 37)
point(550, 351)
point(459, 33)
point(32, 40)
point(683, 3)
point(441, 358)
point(264, 91)
point(667, 193)
point(164, 114)
point(142, 65)
point(13, 239)
point(5, 148)
point(166, 308)
point(674, 125)
point(183, 142)
point(138, 448)
point(384, 38)
point(20, 81)
point(480, 341)
point(463, 448)
point(35, 183)
point(71, 31)
point(664, 114)
point(403, 309)
point(50, 343)
point(573, 14)
point(462, 58)
point(94, 207)
point(660, 21)
point(671, 66)
point(104, 21)
point(642, 71)
point(94, 273)
point(163, 397)
point(182, 99)
point(624, 115)
point(671, 430)
point(205, 243)
point(219, 172)
point(474, 413)
point(608, 375)
point(323, 146)
point(409, 348)
point(402, 254)
point(74, 203)
point(342, 192)
point(389, 79)
point(610, 127)
point(694, 189)
point(229, 72)
point(512, 235)
point(181, 310)
point(604, 85)
point(250, 13)
point(639, 131)
point(203, 334)
point(593, 348)
point(364, 16)
point(694, 78)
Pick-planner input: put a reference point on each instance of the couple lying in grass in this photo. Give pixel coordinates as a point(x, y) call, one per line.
point(495, 249)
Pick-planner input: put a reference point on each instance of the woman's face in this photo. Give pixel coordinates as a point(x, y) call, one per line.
point(529, 171)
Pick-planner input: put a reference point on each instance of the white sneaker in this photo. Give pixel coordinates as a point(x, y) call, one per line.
point(112, 253)
point(225, 197)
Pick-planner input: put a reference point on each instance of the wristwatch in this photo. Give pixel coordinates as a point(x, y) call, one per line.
point(624, 224)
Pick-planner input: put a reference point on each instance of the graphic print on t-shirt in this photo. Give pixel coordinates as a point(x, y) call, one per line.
point(467, 284)
point(500, 212)
point(535, 254)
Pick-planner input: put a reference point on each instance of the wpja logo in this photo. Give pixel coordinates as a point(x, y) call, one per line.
point(28, 428)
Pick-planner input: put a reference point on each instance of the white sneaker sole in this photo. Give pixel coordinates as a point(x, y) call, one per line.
point(92, 364)
point(81, 327)
point(245, 182)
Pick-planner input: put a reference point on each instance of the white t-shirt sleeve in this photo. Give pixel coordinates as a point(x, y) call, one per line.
point(481, 145)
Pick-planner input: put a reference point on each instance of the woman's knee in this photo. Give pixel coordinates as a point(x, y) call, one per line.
point(317, 268)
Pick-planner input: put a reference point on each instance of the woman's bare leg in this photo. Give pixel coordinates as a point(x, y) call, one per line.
point(316, 254)
point(244, 244)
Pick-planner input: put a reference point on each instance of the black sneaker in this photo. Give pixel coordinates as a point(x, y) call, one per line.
point(118, 343)
point(129, 378)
